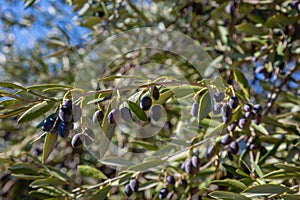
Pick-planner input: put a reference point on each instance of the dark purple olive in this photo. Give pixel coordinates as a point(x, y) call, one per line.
point(64, 129)
point(155, 112)
point(257, 109)
point(67, 103)
point(48, 123)
point(247, 107)
point(243, 123)
point(134, 185)
point(210, 152)
point(113, 116)
point(219, 96)
point(76, 141)
point(98, 116)
point(226, 139)
point(163, 193)
point(195, 161)
point(217, 108)
point(155, 93)
point(65, 114)
point(231, 127)
point(145, 103)
point(126, 114)
point(170, 180)
point(249, 115)
point(226, 112)
point(183, 183)
point(194, 109)
point(234, 147)
point(128, 190)
point(233, 102)
point(257, 119)
point(189, 168)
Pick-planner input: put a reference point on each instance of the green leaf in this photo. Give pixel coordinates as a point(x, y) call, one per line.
point(47, 86)
point(91, 171)
point(24, 168)
point(235, 184)
point(36, 111)
point(297, 145)
point(164, 96)
point(265, 190)
point(288, 167)
point(46, 182)
point(28, 3)
point(27, 177)
point(257, 169)
point(279, 21)
point(290, 197)
point(11, 85)
point(101, 194)
point(147, 165)
point(240, 78)
point(49, 145)
point(204, 106)
point(137, 111)
point(227, 195)
point(116, 161)
point(12, 113)
point(146, 145)
point(250, 29)
point(111, 78)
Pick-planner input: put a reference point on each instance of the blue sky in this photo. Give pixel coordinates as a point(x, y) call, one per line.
point(48, 16)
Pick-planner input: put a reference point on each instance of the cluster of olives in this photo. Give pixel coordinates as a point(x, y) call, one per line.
point(62, 123)
point(132, 186)
point(125, 114)
point(191, 165)
point(170, 183)
point(251, 112)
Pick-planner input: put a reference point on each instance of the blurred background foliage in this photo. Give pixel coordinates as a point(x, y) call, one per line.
point(42, 42)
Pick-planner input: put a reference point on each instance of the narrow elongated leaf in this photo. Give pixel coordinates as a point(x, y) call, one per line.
point(24, 168)
point(287, 167)
point(46, 182)
point(116, 161)
point(243, 83)
point(235, 184)
point(12, 113)
point(137, 111)
point(91, 171)
point(290, 197)
point(111, 78)
point(279, 21)
point(297, 145)
point(101, 194)
point(146, 165)
point(49, 145)
point(257, 169)
point(47, 86)
point(250, 29)
point(145, 145)
point(227, 195)
point(36, 111)
point(204, 106)
point(27, 177)
point(265, 190)
point(11, 86)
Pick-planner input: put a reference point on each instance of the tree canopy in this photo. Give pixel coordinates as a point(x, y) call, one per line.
point(153, 99)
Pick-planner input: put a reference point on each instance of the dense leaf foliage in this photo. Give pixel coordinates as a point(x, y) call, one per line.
point(229, 134)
